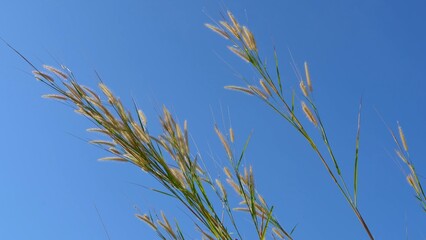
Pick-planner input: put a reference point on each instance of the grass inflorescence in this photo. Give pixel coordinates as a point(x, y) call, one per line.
point(169, 158)
point(270, 91)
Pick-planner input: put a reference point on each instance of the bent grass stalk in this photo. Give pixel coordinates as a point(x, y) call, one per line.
point(129, 140)
point(412, 177)
point(243, 44)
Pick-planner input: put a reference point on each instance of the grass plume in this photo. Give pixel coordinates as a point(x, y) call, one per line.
point(243, 44)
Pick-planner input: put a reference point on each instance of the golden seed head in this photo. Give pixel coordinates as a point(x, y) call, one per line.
point(185, 133)
point(231, 134)
point(308, 77)
point(303, 88)
point(278, 233)
point(402, 137)
point(230, 29)
point(233, 20)
point(217, 30)
point(99, 130)
point(55, 96)
point(56, 72)
point(240, 89)
point(401, 156)
point(145, 218)
point(241, 209)
point(258, 92)
point(248, 39)
point(221, 188)
point(118, 159)
point(309, 114)
point(114, 151)
point(227, 172)
point(261, 199)
point(106, 91)
point(140, 133)
point(142, 117)
point(91, 92)
point(179, 176)
point(72, 92)
point(166, 225)
point(234, 186)
point(239, 53)
point(412, 183)
point(38, 74)
point(224, 142)
point(265, 87)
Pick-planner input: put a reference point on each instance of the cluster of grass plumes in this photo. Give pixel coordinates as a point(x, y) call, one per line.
point(128, 139)
point(168, 158)
point(270, 90)
point(412, 176)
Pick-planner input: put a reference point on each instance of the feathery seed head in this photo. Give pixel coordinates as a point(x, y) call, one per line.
point(402, 137)
point(231, 134)
point(55, 96)
point(55, 71)
point(92, 93)
point(145, 218)
point(221, 188)
point(140, 133)
point(40, 75)
point(142, 117)
point(258, 92)
point(278, 232)
point(99, 130)
point(240, 89)
point(230, 29)
point(166, 225)
point(265, 87)
point(227, 172)
point(262, 200)
point(114, 151)
point(217, 30)
point(234, 186)
point(248, 39)
point(118, 159)
point(178, 175)
point(224, 142)
point(106, 91)
point(303, 88)
point(309, 114)
point(412, 183)
point(308, 77)
point(240, 53)
point(233, 20)
point(401, 156)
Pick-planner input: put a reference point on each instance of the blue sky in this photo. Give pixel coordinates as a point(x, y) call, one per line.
point(159, 52)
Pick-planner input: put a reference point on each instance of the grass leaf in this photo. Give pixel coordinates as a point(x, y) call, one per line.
point(356, 154)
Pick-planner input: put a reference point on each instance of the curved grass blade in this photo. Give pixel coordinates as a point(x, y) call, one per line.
point(356, 154)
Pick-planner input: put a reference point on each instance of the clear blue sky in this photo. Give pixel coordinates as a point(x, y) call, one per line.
point(160, 52)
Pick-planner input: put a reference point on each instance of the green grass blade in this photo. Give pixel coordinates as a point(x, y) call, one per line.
point(356, 154)
point(243, 151)
point(278, 71)
point(292, 105)
point(268, 220)
point(293, 229)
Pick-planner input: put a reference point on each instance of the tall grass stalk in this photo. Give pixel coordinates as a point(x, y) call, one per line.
point(270, 91)
point(168, 159)
point(412, 175)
